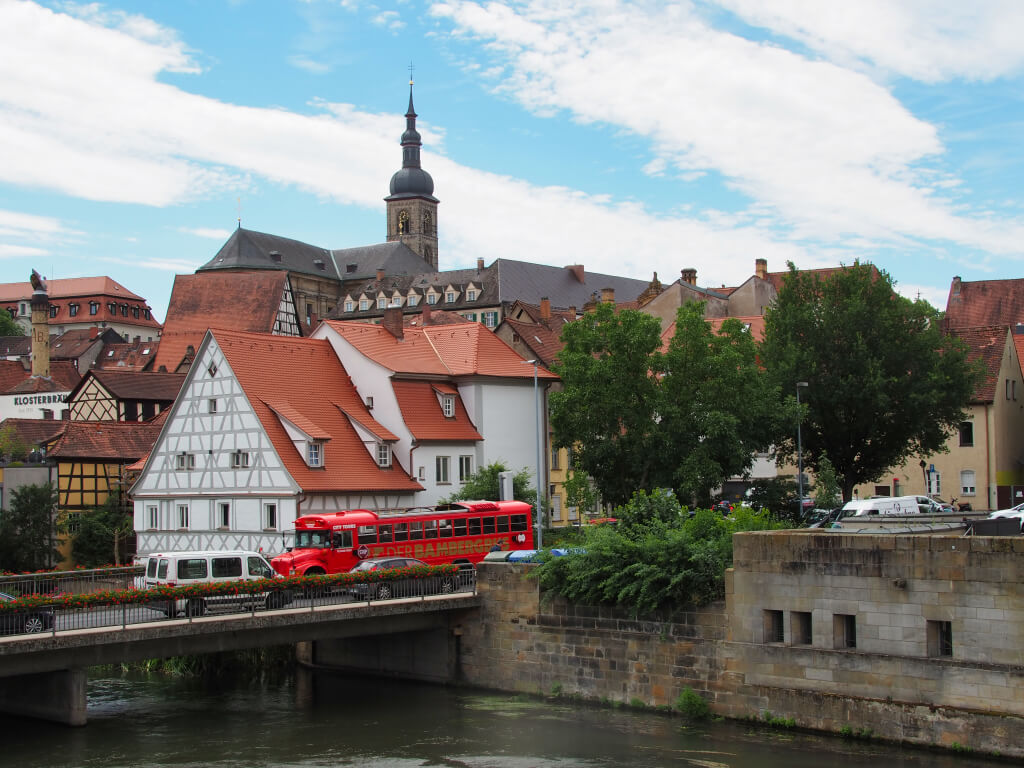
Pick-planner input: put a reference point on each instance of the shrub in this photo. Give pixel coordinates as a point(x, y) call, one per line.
point(692, 705)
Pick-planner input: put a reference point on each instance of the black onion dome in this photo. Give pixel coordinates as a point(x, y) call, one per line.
point(412, 181)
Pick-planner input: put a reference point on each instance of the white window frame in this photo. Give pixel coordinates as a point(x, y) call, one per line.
point(431, 298)
point(184, 462)
point(443, 470)
point(465, 468)
point(965, 488)
point(448, 405)
point(350, 305)
point(182, 517)
point(383, 455)
point(364, 304)
point(153, 517)
point(382, 302)
point(470, 295)
point(449, 297)
point(315, 453)
point(211, 405)
point(223, 521)
point(413, 300)
point(240, 460)
point(270, 516)
point(490, 319)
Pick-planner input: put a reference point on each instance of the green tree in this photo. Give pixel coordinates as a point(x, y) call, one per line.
point(12, 447)
point(884, 382)
point(27, 529)
point(102, 534)
point(8, 327)
point(483, 484)
point(827, 485)
point(638, 418)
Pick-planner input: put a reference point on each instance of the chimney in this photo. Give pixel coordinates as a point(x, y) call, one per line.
point(761, 268)
point(40, 304)
point(607, 295)
point(479, 265)
point(380, 274)
point(689, 276)
point(577, 270)
point(956, 285)
point(545, 308)
point(572, 312)
point(392, 322)
point(426, 315)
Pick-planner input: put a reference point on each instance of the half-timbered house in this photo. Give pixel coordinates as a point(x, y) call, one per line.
point(123, 395)
point(265, 428)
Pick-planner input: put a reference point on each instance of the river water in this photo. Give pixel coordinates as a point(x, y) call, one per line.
point(304, 720)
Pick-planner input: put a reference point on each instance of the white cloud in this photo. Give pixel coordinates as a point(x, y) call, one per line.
point(10, 251)
point(927, 40)
point(828, 149)
point(389, 19)
point(26, 225)
point(209, 233)
point(308, 65)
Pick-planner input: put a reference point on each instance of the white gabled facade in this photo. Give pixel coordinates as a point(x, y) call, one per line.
point(213, 479)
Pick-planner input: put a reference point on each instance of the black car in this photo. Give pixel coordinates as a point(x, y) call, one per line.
point(385, 590)
point(31, 622)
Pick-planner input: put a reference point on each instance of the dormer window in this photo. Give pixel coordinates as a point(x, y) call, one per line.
point(448, 405)
point(431, 298)
point(72, 309)
point(383, 455)
point(413, 300)
point(364, 304)
point(449, 297)
point(112, 307)
point(315, 453)
point(349, 305)
point(53, 310)
point(382, 303)
point(471, 295)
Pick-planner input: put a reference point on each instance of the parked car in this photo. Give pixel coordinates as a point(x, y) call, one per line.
point(188, 568)
point(385, 590)
point(1016, 511)
point(29, 622)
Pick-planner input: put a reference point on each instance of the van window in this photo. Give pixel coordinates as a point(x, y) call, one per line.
point(151, 568)
point(161, 571)
point(192, 568)
point(226, 567)
point(260, 567)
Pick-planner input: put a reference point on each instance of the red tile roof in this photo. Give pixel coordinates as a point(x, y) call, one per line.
point(306, 377)
point(754, 323)
point(986, 344)
point(14, 379)
point(128, 356)
point(422, 412)
point(114, 440)
point(138, 385)
point(984, 303)
point(66, 288)
point(457, 350)
point(217, 300)
point(35, 432)
point(542, 340)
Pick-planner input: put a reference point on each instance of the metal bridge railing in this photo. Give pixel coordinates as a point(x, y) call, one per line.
point(75, 582)
point(54, 619)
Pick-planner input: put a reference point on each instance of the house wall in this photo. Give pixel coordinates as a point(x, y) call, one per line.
point(752, 298)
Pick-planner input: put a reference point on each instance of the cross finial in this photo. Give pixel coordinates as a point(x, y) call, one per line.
point(411, 68)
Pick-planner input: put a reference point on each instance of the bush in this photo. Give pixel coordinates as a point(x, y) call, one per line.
point(656, 558)
point(692, 705)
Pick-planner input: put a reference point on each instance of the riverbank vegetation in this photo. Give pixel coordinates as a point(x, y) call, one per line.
point(656, 557)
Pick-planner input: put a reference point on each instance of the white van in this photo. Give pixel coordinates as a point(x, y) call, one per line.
point(891, 505)
point(180, 569)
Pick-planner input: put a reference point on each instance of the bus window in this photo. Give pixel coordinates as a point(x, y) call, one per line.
point(430, 529)
point(488, 524)
point(474, 526)
point(342, 540)
point(445, 527)
point(503, 524)
point(385, 534)
point(460, 527)
point(519, 523)
point(367, 534)
point(401, 531)
point(415, 531)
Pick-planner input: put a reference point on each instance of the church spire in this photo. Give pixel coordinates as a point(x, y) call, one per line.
point(412, 207)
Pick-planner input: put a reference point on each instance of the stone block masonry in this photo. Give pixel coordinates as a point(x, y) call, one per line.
point(917, 639)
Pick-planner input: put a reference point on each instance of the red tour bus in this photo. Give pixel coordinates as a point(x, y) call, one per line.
point(461, 533)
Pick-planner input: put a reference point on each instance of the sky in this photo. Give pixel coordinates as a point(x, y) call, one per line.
point(630, 137)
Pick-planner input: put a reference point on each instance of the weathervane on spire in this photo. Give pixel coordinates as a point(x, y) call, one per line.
point(411, 68)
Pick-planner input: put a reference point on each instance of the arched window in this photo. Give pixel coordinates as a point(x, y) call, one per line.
point(428, 223)
point(403, 222)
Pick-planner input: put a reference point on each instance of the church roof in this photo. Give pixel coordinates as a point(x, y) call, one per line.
point(363, 262)
point(247, 249)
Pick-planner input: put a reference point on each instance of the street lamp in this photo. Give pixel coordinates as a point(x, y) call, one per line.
point(799, 452)
point(536, 406)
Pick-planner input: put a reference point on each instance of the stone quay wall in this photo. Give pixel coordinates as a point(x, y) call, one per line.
point(913, 639)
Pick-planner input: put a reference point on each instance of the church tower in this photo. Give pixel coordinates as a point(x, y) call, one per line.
point(412, 207)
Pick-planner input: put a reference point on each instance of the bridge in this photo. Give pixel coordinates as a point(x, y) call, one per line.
point(44, 675)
